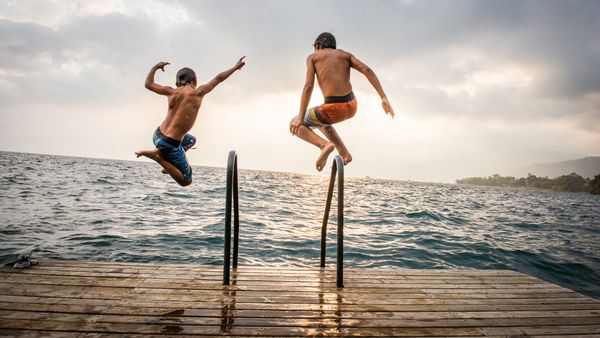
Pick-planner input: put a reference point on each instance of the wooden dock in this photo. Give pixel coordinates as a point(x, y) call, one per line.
point(93, 299)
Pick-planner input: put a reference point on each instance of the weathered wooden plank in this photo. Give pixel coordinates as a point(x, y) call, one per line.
point(90, 294)
point(206, 309)
point(284, 270)
point(47, 334)
point(228, 328)
point(330, 278)
point(440, 320)
point(279, 286)
point(244, 296)
point(232, 328)
point(111, 292)
point(365, 294)
point(196, 295)
point(193, 268)
point(50, 334)
point(430, 313)
point(310, 305)
point(265, 278)
point(563, 335)
point(562, 330)
point(547, 290)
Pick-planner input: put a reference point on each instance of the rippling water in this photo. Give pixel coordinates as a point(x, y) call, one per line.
point(108, 210)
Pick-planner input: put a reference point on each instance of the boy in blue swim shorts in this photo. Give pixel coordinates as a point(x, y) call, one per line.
point(171, 138)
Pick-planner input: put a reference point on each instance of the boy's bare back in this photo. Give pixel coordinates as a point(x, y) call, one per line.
point(184, 104)
point(332, 67)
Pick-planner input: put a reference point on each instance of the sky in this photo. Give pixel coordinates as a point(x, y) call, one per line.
point(478, 87)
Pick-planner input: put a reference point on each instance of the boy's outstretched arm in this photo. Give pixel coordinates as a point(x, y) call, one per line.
point(210, 85)
point(151, 85)
point(306, 94)
point(370, 75)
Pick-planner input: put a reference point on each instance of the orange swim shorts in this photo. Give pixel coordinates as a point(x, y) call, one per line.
point(335, 109)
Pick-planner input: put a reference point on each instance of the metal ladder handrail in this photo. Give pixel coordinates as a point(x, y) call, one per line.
point(337, 167)
point(231, 197)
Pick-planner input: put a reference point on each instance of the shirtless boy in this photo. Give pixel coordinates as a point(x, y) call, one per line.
point(332, 68)
point(171, 138)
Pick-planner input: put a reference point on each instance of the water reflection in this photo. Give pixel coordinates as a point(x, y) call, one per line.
point(228, 301)
point(325, 309)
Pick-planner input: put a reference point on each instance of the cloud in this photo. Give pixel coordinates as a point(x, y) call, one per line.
point(522, 65)
point(85, 59)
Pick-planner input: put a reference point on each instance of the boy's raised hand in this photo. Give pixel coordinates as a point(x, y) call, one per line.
point(161, 65)
point(387, 107)
point(240, 63)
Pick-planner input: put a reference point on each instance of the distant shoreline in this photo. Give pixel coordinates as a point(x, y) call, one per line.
point(565, 183)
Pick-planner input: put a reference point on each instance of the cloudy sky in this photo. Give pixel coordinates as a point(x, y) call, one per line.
point(479, 87)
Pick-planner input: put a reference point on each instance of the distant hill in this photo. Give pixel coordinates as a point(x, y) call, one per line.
point(586, 167)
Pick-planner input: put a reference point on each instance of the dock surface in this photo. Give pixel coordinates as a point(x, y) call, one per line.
point(94, 299)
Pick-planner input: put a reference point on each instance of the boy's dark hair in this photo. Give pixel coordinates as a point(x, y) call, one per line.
point(325, 40)
point(185, 76)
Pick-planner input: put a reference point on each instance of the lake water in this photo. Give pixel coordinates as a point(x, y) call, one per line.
point(127, 211)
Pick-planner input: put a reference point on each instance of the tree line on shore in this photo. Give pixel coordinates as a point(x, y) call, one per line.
point(572, 182)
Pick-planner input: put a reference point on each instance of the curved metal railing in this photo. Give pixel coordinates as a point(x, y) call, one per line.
point(337, 167)
point(231, 197)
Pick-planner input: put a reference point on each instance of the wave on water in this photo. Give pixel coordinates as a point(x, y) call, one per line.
point(425, 214)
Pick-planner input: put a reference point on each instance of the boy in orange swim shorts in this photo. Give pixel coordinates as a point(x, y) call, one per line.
point(332, 69)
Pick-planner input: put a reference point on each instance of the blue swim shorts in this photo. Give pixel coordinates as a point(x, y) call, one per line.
point(174, 151)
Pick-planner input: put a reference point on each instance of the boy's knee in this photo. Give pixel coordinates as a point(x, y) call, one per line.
point(185, 183)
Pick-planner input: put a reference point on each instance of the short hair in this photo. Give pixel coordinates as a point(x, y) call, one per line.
point(185, 76)
point(325, 40)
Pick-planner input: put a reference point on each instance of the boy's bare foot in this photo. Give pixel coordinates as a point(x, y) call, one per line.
point(153, 154)
point(325, 151)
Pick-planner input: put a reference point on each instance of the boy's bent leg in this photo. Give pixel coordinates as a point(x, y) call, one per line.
point(170, 169)
point(187, 143)
point(333, 136)
point(311, 137)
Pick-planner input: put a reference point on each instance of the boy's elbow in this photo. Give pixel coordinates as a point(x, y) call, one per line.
point(308, 86)
point(368, 71)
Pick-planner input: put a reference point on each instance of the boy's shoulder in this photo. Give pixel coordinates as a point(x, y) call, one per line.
point(330, 52)
point(344, 53)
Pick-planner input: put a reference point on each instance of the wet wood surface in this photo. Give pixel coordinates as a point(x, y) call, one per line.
point(99, 299)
